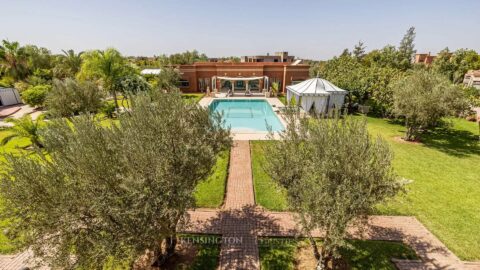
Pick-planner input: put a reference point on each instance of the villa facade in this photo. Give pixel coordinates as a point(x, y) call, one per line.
point(255, 76)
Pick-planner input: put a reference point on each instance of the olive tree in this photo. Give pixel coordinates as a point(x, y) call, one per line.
point(423, 98)
point(70, 97)
point(110, 194)
point(334, 174)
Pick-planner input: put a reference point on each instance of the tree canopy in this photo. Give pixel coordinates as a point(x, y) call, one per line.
point(109, 194)
point(188, 57)
point(106, 67)
point(334, 175)
point(423, 98)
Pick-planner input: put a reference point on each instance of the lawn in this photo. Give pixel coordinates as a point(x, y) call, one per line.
point(275, 254)
point(194, 97)
point(267, 193)
point(210, 192)
point(444, 194)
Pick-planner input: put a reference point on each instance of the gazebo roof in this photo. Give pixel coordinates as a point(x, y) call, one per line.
point(315, 87)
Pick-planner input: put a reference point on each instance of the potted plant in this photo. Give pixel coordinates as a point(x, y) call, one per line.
point(274, 88)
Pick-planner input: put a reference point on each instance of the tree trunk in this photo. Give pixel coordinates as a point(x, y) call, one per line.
point(171, 244)
point(114, 93)
point(314, 247)
point(161, 257)
point(326, 261)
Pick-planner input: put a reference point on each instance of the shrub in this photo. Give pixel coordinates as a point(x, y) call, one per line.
point(35, 96)
point(108, 109)
point(69, 97)
point(6, 81)
point(21, 86)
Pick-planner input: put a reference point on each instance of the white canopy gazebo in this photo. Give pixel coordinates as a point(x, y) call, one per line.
point(318, 93)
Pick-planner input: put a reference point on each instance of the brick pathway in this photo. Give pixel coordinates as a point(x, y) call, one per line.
point(239, 250)
point(240, 223)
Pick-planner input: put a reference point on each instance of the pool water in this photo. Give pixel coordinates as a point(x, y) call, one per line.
point(247, 115)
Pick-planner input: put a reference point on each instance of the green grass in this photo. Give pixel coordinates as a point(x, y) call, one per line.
point(362, 255)
point(211, 191)
point(444, 194)
point(267, 193)
point(194, 97)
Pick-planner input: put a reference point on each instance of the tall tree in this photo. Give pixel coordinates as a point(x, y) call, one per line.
point(167, 80)
point(109, 194)
point(107, 67)
point(13, 60)
point(464, 60)
point(68, 64)
point(443, 63)
point(359, 50)
point(334, 175)
point(406, 49)
point(423, 98)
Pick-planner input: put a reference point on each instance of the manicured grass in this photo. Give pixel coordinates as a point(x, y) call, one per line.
point(211, 191)
point(267, 193)
point(194, 97)
point(362, 255)
point(444, 194)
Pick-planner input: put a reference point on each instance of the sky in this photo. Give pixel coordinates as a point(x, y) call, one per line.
point(308, 29)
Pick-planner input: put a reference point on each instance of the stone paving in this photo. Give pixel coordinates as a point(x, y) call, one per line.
point(240, 222)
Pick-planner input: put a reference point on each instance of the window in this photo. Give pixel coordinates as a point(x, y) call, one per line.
point(183, 83)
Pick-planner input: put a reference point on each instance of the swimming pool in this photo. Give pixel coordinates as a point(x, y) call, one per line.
point(247, 115)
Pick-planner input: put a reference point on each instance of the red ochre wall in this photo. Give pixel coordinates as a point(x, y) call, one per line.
point(275, 72)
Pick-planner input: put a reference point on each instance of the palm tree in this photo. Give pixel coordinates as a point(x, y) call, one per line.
point(13, 60)
point(69, 64)
point(25, 127)
point(108, 66)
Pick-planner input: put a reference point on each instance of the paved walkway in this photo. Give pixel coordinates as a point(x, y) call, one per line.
point(240, 223)
point(239, 250)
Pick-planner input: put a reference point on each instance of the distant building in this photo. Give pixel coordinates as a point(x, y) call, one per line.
point(424, 58)
point(472, 78)
point(280, 57)
point(240, 76)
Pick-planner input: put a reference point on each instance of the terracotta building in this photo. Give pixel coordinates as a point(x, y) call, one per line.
point(424, 58)
point(250, 76)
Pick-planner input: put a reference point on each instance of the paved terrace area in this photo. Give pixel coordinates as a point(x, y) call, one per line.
point(239, 218)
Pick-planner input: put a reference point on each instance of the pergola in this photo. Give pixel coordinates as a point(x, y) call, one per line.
point(234, 79)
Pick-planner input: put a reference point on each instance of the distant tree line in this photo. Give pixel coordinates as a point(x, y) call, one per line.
point(380, 79)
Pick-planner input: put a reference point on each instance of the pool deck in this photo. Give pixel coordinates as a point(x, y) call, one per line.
point(247, 136)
